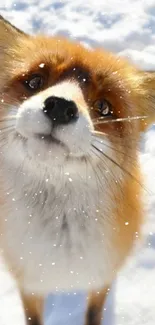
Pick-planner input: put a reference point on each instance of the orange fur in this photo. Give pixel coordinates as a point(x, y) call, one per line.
point(33, 307)
point(107, 76)
point(96, 300)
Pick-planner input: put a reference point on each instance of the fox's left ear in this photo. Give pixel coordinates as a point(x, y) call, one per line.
point(8, 30)
point(9, 35)
point(145, 93)
point(11, 41)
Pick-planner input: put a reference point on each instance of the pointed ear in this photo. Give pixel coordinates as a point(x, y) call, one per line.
point(6, 25)
point(8, 34)
point(146, 99)
point(11, 40)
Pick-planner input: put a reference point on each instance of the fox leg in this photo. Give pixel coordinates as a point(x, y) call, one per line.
point(96, 302)
point(33, 307)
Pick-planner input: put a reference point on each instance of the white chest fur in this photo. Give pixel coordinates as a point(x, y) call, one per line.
point(56, 231)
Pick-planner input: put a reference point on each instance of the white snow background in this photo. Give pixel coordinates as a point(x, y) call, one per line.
point(126, 27)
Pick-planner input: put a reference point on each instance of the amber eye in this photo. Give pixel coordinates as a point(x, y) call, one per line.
point(103, 107)
point(34, 83)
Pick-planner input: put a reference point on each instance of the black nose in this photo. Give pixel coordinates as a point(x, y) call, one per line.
point(60, 110)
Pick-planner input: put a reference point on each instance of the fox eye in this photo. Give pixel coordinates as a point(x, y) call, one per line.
point(103, 107)
point(34, 83)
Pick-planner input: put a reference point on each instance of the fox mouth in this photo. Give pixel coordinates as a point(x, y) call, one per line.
point(49, 139)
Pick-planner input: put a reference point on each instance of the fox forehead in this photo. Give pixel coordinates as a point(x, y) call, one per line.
point(28, 52)
point(103, 73)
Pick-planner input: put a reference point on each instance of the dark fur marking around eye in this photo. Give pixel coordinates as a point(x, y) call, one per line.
point(78, 73)
point(99, 77)
point(102, 80)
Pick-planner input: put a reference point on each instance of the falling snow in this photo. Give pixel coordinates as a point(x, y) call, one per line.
point(41, 65)
point(97, 23)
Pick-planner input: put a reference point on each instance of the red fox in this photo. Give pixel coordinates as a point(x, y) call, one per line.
point(71, 184)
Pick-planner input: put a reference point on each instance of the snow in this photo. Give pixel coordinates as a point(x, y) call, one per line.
point(128, 28)
point(124, 26)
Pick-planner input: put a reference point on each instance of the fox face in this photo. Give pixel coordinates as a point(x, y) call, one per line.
point(71, 186)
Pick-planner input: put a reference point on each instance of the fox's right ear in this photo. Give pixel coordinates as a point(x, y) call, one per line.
point(146, 98)
point(8, 34)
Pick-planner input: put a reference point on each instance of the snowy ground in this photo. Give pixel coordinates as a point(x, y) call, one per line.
point(126, 27)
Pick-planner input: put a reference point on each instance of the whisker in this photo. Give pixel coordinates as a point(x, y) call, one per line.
point(4, 133)
point(104, 134)
point(117, 164)
point(121, 119)
point(103, 171)
point(100, 118)
point(9, 118)
point(97, 178)
point(112, 148)
point(6, 128)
